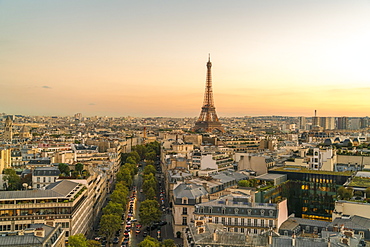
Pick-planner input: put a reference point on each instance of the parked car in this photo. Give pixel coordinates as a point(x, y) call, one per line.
point(115, 240)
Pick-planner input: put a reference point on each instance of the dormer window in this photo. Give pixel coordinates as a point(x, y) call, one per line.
point(210, 210)
point(223, 210)
point(249, 211)
point(184, 200)
point(262, 212)
point(236, 210)
point(271, 213)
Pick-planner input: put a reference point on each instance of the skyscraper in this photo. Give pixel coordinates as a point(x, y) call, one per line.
point(208, 120)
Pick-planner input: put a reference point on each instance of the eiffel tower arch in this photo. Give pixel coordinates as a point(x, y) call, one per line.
point(208, 120)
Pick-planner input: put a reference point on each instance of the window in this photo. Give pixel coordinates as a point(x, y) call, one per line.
point(255, 222)
point(185, 200)
point(262, 223)
point(210, 210)
point(216, 220)
point(223, 220)
point(184, 221)
point(249, 222)
point(271, 223)
point(184, 210)
point(249, 211)
point(223, 210)
point(271, 212)
point(285, 233)
point(242, 230)
point(242, 221)
point(307, 229)
point(235, 229)
point(236, 221)
point(229, 221)
point(262, 212)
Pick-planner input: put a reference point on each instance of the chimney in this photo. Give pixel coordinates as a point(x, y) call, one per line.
point(215, 237)
point(40, 232)
point(205, 185)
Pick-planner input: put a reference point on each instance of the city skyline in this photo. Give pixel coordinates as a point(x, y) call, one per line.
point(146, 58)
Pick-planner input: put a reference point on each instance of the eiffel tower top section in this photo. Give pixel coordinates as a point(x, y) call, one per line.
point(208, 120)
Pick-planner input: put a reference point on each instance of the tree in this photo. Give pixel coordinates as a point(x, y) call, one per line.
point(64, 169)
point(131, 160)
point(141, 150)
point(344, 193)
point(367, 191)
point(151, 155)
point(244, 183)
point(93, 243)
point(113, 208)
point(150, 194)
point(168, 243)
point(119, 197)
point(149, 242)
point(135, 156)
point(12, 180)
point(149, 169)
point(78, 240)
point(109, 224)
point(124, 175)
point(79, 167)
point(149, 212)
point(149, 182)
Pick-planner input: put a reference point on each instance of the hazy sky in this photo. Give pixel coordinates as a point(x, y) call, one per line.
point(148, 58)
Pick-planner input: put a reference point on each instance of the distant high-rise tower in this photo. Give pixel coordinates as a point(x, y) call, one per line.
point(208, 120)
point(8, 130)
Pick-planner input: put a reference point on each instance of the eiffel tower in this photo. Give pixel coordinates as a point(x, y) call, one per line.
point(208, 120)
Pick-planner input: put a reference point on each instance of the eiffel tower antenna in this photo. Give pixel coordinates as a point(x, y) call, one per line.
point(208, 120)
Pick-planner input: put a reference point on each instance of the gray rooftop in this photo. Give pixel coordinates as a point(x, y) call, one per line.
point(190, 191)
point(46, 171)
point(55, 190)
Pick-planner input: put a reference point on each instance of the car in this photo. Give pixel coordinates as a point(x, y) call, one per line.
point(98, 238)
point(126, 234)
point(138, 225)
point(163, 223)
point(137, 231)
point(134, 220)
point(128, 218)
point(145, 234)
point(126, 240)
point(115, 240)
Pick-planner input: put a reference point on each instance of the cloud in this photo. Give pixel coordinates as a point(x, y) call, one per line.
point(47, 87)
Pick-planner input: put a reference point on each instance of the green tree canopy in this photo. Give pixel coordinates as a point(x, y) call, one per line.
point(78, 240)
point(149, 242)
point(149, 169)
point(12, 180)
point(64, 169)
point(109, 224)
point(130, 160)
point(124, 175)
point(151, 155)
point(113, 208)
point(244, 183)
point(119, 197)
point(150, 194)
point(93, 243)
point(79, 167)
point(149, 212)
point(135, 156)
point(168, 243)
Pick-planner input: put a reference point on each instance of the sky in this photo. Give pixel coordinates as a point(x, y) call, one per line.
point(148, 58)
